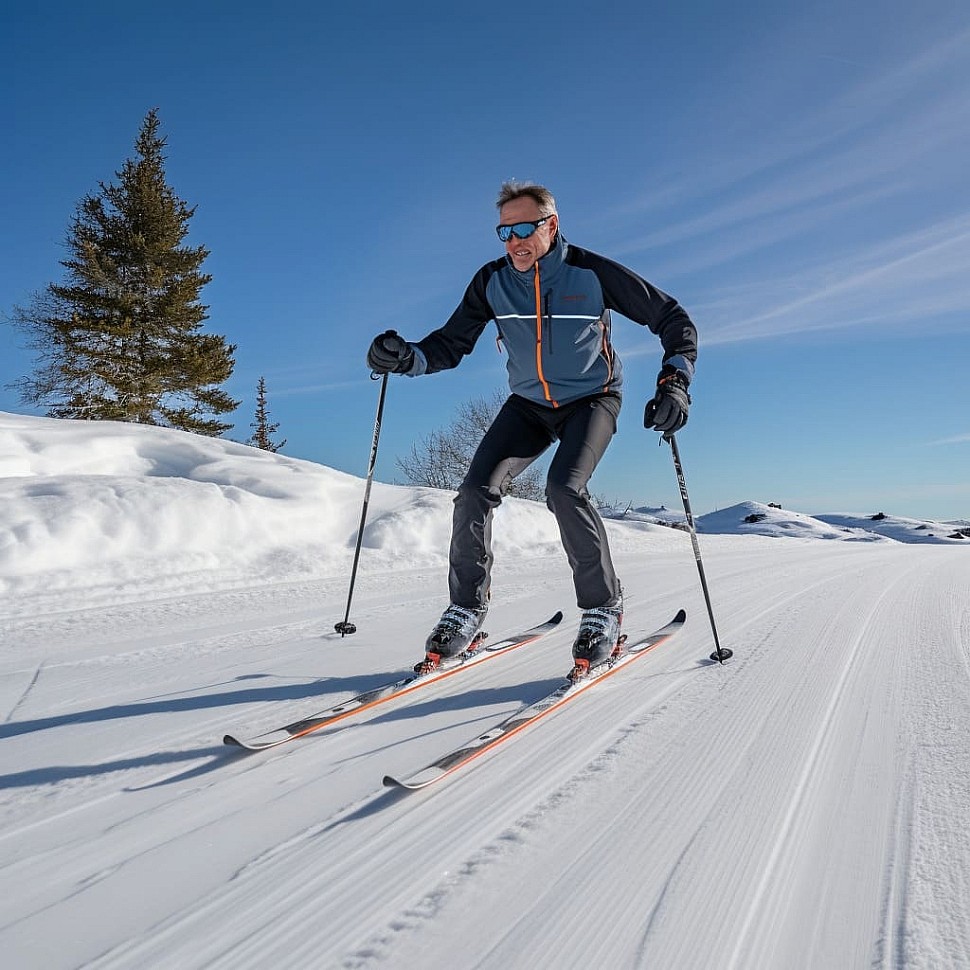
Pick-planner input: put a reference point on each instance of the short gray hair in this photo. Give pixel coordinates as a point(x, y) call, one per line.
point(512, 190)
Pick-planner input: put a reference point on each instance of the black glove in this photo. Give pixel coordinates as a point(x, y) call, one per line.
point(390, 354)
point(667, 411)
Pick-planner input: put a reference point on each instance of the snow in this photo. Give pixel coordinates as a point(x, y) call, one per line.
point(756, 518)
point(803, 806)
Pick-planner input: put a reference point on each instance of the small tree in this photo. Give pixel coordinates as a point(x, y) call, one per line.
point(263, 430)
point(119, 339)
point(442, 458)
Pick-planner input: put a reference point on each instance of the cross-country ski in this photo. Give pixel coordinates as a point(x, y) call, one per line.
point(392, 691)
point(451, 762)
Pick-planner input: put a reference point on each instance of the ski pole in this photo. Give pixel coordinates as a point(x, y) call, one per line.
point(345, 626)
point(720, 653)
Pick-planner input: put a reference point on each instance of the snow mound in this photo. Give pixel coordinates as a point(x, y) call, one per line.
point(89, 504)
point(902, 529)
point(754, 518)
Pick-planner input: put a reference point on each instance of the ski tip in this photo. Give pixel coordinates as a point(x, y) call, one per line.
point(391, 782)
point(230, 740)
point(556, 617)
point(681, 616)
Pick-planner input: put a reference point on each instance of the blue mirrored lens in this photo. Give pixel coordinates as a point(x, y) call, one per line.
point(522, 230)
point(525, 229)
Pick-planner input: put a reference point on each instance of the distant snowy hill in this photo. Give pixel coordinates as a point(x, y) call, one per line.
point(755, 518)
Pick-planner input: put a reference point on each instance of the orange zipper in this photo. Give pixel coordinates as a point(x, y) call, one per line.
point(542, 377)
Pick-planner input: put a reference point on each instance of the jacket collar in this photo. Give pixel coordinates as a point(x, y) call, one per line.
point(549, 264)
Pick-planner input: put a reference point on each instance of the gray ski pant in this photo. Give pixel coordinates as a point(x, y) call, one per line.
point(520, 433)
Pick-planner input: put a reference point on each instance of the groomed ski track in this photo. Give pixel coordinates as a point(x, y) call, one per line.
point(803, 806)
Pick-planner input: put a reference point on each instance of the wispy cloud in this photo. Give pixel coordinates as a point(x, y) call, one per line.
point(821, 188)
point(833, 218)
point(303, 379)
point(317, 388)
point(918, 276)
point(925, 97)
point(957, 439)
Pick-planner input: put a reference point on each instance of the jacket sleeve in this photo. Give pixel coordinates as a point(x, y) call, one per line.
point(444, 348)
point(640, 301)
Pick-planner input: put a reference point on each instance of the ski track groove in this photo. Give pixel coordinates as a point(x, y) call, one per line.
point(889, 949)
point(812, 764)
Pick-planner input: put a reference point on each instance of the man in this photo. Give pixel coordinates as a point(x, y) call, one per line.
point(551, 302)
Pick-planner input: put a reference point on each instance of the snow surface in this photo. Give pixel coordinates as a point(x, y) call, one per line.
point(804, 806)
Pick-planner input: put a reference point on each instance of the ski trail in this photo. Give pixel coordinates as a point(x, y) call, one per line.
point(932, 928)
point(25, 693)
point(889, 950)
point(823, 740)
point(687, 815)
point(801, 807)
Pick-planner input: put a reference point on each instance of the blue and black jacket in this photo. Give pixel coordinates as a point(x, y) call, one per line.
point(554, 321)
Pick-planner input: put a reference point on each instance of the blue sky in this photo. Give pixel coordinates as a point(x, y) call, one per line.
point(794, 173)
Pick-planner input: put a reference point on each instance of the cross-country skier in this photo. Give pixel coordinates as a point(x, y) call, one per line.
point(551, 302)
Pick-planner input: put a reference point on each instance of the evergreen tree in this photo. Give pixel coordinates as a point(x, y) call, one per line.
point(263, 430)
point(120, 339)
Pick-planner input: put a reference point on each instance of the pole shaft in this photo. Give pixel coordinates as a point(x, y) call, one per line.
point(682, 482)
point(363, 512)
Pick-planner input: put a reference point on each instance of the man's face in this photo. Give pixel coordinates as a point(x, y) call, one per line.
point(525, 252)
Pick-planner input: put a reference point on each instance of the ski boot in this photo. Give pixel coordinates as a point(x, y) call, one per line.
point(598, 641)
point(455, 634)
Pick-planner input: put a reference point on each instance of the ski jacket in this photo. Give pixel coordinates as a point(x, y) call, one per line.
point(554, 321)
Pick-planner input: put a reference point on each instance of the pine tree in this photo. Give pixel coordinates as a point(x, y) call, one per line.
point(120, 339)
point(262, 435)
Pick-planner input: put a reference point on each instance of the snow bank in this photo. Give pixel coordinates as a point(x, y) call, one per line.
point(88, 504)
point(97, 505)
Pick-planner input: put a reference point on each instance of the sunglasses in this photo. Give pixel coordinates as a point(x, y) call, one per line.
point(521, 230)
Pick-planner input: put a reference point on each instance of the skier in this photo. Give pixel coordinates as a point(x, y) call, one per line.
point(551, 303)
